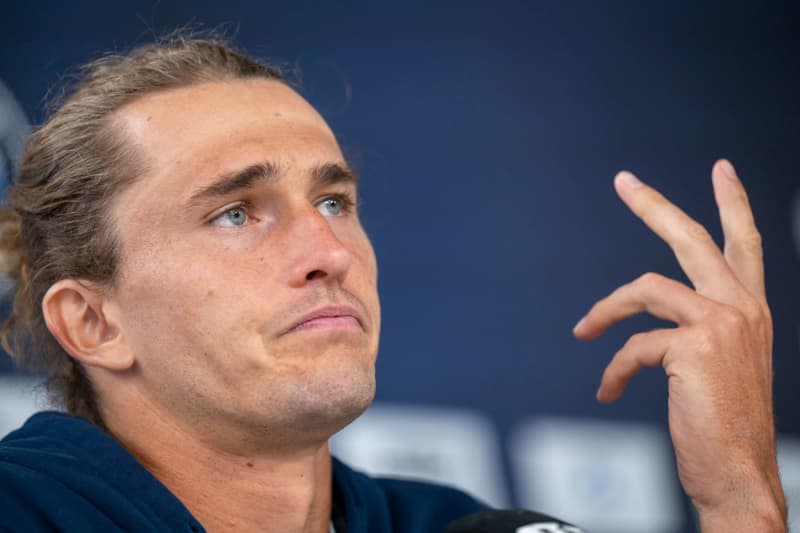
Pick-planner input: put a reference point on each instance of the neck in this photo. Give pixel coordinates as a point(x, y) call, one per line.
point(249, 489)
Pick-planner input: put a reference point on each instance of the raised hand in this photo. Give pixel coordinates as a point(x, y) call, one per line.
point(718, 359)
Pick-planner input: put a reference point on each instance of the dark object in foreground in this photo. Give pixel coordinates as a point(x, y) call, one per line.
point(510, 521)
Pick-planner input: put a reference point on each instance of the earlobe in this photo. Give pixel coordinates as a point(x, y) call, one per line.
point(78, 317)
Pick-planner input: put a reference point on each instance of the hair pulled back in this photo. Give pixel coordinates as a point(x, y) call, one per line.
point(55, 224)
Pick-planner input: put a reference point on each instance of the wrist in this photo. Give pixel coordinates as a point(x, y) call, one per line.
point(765, 516)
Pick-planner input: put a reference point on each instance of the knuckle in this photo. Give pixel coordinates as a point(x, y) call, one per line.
point(650, 279)
point(733, 319)
point(696, 232)
point(751, 242)
point(752, 311)
point(633, 341)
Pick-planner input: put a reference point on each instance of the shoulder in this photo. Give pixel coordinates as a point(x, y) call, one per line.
point(381, 504)
point(62, 472)
point(36, 482)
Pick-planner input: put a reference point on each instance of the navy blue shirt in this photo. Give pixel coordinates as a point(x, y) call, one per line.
point(61, 473)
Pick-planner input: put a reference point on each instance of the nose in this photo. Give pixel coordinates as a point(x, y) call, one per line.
point(320, 254)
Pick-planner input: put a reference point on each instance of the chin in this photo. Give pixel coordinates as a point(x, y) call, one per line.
point(320, 407)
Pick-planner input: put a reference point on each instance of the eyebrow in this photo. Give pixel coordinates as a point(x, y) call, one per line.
point(321, 175)
point(332, 174)
point(241, 179)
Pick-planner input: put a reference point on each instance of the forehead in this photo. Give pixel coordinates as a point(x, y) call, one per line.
point(217, 127)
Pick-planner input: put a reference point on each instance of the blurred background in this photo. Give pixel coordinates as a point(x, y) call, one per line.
point(486, 136)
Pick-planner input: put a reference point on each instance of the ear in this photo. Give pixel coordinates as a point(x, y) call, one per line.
point(81, 319)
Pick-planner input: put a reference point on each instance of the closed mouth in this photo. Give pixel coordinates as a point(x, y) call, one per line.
point(333, 317)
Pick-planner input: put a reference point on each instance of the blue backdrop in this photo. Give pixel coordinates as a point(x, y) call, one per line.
point(486, 136)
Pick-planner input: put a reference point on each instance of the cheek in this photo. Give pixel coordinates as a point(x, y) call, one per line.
point(367, 269)
point(192, 341)
point(365, 277)
point(356, 240)
point(179, 305)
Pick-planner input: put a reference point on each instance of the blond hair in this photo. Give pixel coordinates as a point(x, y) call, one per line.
point(56, 225)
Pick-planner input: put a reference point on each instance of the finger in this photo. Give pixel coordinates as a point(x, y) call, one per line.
point(698, 255)
point(743, 250)
point(641, 350)
point(660, 296)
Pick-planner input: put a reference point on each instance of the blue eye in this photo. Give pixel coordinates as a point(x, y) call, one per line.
point(331, 207)
point(233, 217)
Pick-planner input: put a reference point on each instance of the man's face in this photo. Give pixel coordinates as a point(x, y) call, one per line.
point(248, 286)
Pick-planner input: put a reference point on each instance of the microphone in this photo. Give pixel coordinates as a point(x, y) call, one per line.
point(510, 521)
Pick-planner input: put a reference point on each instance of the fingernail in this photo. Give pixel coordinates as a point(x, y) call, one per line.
point(727, 169)
point(580, 323)
point(630, 180)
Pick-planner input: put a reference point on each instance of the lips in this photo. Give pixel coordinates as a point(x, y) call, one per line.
point(331, 317)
